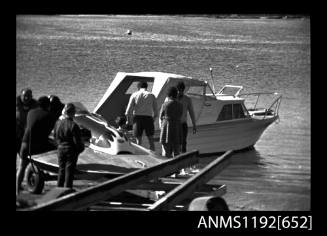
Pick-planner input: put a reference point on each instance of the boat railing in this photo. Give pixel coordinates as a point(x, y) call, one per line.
point(262, 103)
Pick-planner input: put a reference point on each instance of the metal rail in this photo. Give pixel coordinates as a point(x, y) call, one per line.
point(275, 103)
point(190, 186)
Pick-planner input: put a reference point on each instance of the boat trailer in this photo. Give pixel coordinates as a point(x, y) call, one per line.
point(155, 186)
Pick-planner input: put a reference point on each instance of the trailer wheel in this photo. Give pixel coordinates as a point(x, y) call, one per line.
point(217, 204)
point(35, 180)
point(208, 203)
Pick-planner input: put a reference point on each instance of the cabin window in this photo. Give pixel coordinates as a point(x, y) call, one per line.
point(226, 113)
point(230, 90)
point(196, 91)
point(133, 87)
point(238, 111)
point(231, 111)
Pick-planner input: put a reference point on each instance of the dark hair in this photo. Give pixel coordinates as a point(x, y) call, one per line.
point(44, 102)
point(142, 84)
point(26, 90)
point(54, 99)
point(180, 86)
point(120, 120)
point(70, 108)
point(172, 92)
point(217, 204)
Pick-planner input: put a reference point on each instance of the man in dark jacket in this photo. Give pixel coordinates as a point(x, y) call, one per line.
point(39, 124)
point(24, 103)
point(68, 137)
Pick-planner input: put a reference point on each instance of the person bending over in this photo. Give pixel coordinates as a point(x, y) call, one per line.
point(142, 106)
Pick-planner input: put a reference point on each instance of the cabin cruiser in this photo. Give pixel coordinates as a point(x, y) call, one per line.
point(226, 120)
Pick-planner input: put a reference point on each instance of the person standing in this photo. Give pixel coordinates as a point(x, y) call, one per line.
point(39, 124)
point(68, 138)
point(24, 103)
point(142, 106)
point(169, 122)
point(187, 107)
point(56, 106)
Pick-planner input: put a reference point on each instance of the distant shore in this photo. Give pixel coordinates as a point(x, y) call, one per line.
point(253, 16)
point(219, 16)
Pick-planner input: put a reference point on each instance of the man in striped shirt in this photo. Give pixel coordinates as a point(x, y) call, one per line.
point(142, 106)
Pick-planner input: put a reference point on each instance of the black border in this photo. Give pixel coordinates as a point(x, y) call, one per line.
point(155, 222)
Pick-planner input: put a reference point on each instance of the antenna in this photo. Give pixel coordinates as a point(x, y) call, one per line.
point(213, 82)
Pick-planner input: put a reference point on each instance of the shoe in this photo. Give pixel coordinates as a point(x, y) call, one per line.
point(194, 171)
point(182, 172)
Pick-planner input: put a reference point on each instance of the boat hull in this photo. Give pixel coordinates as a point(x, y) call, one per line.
point(91, 161)
point(223, 136)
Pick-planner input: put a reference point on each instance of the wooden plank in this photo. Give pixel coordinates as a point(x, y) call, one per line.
point(188, 187)
point(103, 191)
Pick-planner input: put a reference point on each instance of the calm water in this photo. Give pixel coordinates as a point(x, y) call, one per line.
point(77, 57)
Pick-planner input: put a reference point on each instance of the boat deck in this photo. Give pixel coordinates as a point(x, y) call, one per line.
point(93, 161)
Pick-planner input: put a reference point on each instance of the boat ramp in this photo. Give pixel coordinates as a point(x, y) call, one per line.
point(155, 188)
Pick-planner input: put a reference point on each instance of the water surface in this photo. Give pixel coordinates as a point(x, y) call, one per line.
point(76, 58)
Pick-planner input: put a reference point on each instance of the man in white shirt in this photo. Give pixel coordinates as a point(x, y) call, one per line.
point(142, 106)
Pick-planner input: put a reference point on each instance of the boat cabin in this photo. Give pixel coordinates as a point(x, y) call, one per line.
point(208, 106)
point(226, 117)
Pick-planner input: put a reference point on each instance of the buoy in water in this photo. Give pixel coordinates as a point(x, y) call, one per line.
point(129, 32)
